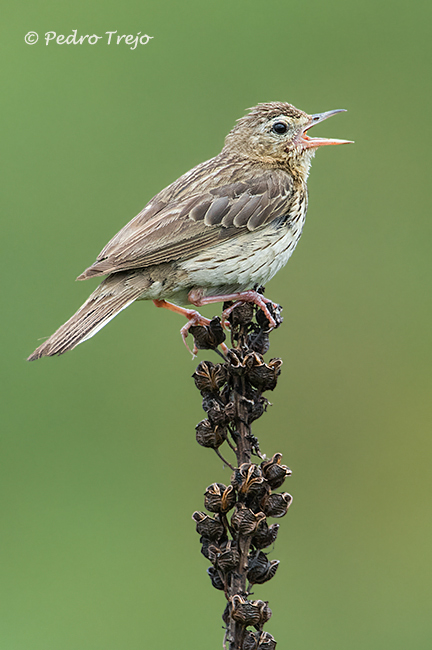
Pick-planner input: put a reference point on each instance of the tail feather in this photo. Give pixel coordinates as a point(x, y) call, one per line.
point(115, 293)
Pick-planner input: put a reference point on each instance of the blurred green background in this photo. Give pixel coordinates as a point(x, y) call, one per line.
point(101, 470)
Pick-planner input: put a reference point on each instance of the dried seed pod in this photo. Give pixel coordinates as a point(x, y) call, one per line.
point(261, 375)
point(238, 475)
point(272, 570)
point(276, 364)
point(241, 315)
point(215, 578)
point(276, 505)
point(244, 521)
point(259, 641)
point(209, 435)
point(247, 612)
point(258, 565)
point(219, 375)
point(209, 549)
point(208, 527)
point(248, 480)
point(219, 498)
point(275, 311)
point(228, 558)
point(225, 394)
point(230, 411)
point(259, 341)
point(252, 360)
point(202, 377)
point(209, 401)
point(235, 362)
point(261, 569)
point(209, 377)
point(257, 408)
point(265, 535)
point(266, 641)
point(274, 472)
point(218, 413)
point(208, 337)
point(212, 551)
point(251, 641)
point(246, 471)
point(229, 499)
point(213, 496)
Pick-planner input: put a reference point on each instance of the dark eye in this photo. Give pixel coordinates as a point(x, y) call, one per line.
point(280, 127)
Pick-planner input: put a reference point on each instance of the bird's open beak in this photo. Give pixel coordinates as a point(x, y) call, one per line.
point(311, 143)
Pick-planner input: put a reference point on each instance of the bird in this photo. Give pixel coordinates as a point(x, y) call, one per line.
point(217, 233)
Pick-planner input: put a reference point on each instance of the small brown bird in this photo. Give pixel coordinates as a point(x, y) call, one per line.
point(224, 227)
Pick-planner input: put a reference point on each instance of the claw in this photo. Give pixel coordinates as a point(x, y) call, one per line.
point(196, 298)
point(194, 318)
point(227, 312)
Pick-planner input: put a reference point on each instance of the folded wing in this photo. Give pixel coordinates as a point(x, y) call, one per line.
point(180, 224)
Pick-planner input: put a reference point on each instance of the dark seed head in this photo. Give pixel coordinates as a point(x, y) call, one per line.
point(207, 526)
point(228, 559)
point(208, 337)
point(274, 472)
point(209, 435)
point(248, 481)
point(219, 498)
point(245, 521)
point(265, 535)
point(276, 505)
point(259, 641)
point(259, 341)
point(215, 578)
point(257, 408)
point(247, 612)
point(261, 375)
point(261, 569)
point(241, 315)
point(209, 377)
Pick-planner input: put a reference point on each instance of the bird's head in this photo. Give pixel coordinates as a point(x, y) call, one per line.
point(276, 134)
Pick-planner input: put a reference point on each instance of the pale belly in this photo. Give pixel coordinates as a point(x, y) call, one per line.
point(240, 264)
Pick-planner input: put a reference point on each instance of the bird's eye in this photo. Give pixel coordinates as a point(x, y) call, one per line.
point(279, 128)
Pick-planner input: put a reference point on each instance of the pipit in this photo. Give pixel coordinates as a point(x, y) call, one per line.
point(219, 231)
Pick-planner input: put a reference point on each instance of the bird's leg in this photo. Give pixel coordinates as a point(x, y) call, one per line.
point(196, 298)
point(193, 316)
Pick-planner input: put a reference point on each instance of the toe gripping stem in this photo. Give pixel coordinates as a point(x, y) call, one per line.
point(196, 298)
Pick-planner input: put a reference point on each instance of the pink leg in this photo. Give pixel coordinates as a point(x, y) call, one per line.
point(193, 316)
point(258, 299)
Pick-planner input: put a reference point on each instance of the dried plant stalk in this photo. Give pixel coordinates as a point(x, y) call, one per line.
point(234, 537)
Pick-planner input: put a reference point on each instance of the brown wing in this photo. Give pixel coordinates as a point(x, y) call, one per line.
point(179, 222)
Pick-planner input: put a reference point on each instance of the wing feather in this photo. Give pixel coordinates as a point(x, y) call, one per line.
point(177, 224)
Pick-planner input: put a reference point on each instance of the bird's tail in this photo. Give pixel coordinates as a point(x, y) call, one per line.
point(115, 293)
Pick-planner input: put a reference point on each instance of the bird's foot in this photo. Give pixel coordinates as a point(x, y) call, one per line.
point(193, 316)
point(194, 319)
point(270, 309)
